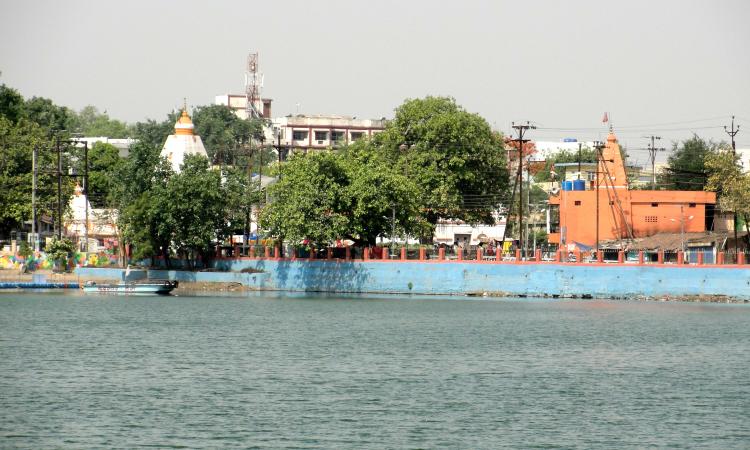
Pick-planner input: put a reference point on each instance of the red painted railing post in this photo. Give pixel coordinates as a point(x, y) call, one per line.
point(479, 253)
point(620, 256)
point(518, 255)
point(347, 253)
point(640, 257)
point(740, 258)
point(600, 256)
point(558, 256)
point(277, 252)
point(366, 253)
point(441, 253)
point(403, 253)
point(423, 253)
point(660, 257)
point(498, 254)
point(266, 252)
point(680, 257)
point(720, 258)
point(329, 253)
point(700, 258)
point(251, 252)
point(538, 255)
point(386, 253)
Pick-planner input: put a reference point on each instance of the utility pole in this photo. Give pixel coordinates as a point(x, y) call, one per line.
point(86, 193)
point(732, 132)
point(598, 146)
point(521, 128)
point(580, 144)
point(34, 230)
point(652, 155)
point(59, 188)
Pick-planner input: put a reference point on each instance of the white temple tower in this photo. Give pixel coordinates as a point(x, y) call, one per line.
point(182, 142)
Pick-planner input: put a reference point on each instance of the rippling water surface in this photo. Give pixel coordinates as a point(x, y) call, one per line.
point(272, 371)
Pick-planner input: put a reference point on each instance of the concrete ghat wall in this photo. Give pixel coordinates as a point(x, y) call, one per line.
point(519, 279)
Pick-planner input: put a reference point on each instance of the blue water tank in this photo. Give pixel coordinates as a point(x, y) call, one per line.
point(567, 185)
point(570, 140)
point(579, 185)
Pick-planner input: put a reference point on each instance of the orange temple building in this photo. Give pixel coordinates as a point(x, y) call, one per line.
point(622, 213)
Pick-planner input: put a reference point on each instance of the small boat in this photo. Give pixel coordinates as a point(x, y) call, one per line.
point(156, 287)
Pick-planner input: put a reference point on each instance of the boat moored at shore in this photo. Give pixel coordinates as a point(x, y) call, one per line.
point(160, 287)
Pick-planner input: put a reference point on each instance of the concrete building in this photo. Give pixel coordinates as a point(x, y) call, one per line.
point(306, 132)
point(621, 213)
point(238, 104)
point(183, 142)
point(122, 145)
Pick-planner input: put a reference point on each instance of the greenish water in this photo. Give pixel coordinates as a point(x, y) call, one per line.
point(371, 372)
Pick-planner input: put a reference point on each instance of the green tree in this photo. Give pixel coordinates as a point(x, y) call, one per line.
point(48, 115)
point(154, 133)
point(17, 141)
point(60, 251)
point(90, 122)
point(195, 208)
point(453, 156)
point(731, 184)
point(138, 194)
point(310, 200)
point(686, 169)
point(11, 104)
point(104, 166)
point(226, 137)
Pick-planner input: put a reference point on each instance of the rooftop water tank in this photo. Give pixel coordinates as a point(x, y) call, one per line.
point(579, 185)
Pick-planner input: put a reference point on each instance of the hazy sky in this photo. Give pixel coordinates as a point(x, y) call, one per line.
point(659, 67)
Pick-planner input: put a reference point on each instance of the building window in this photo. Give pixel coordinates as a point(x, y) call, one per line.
point(337, 136)
point(611, 202)
point(654, 205)
point(357, 135)
point(651, 219)
point(321, 135)
point(577, 203)
point(299, 135)
point(591, 176)
point(691, 205)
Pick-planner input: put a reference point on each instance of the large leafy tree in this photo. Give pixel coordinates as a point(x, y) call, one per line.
point(90, 122)
point(195, 208)
point(354, 194)
point(310, 200)
point(17, 142)
point(11, 104)
point(686, 166)
point(453, 156)
point(48, 115)
point(731, 184)
point(226, 137)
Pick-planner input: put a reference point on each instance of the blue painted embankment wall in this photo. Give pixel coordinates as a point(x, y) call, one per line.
point(601, 280)
point(597, 280)
point(256, 280)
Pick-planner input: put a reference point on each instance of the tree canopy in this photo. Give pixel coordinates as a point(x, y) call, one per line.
point(686, 166)
point(455, 159)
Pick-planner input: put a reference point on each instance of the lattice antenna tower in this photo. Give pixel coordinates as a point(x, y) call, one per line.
point(253, 86)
